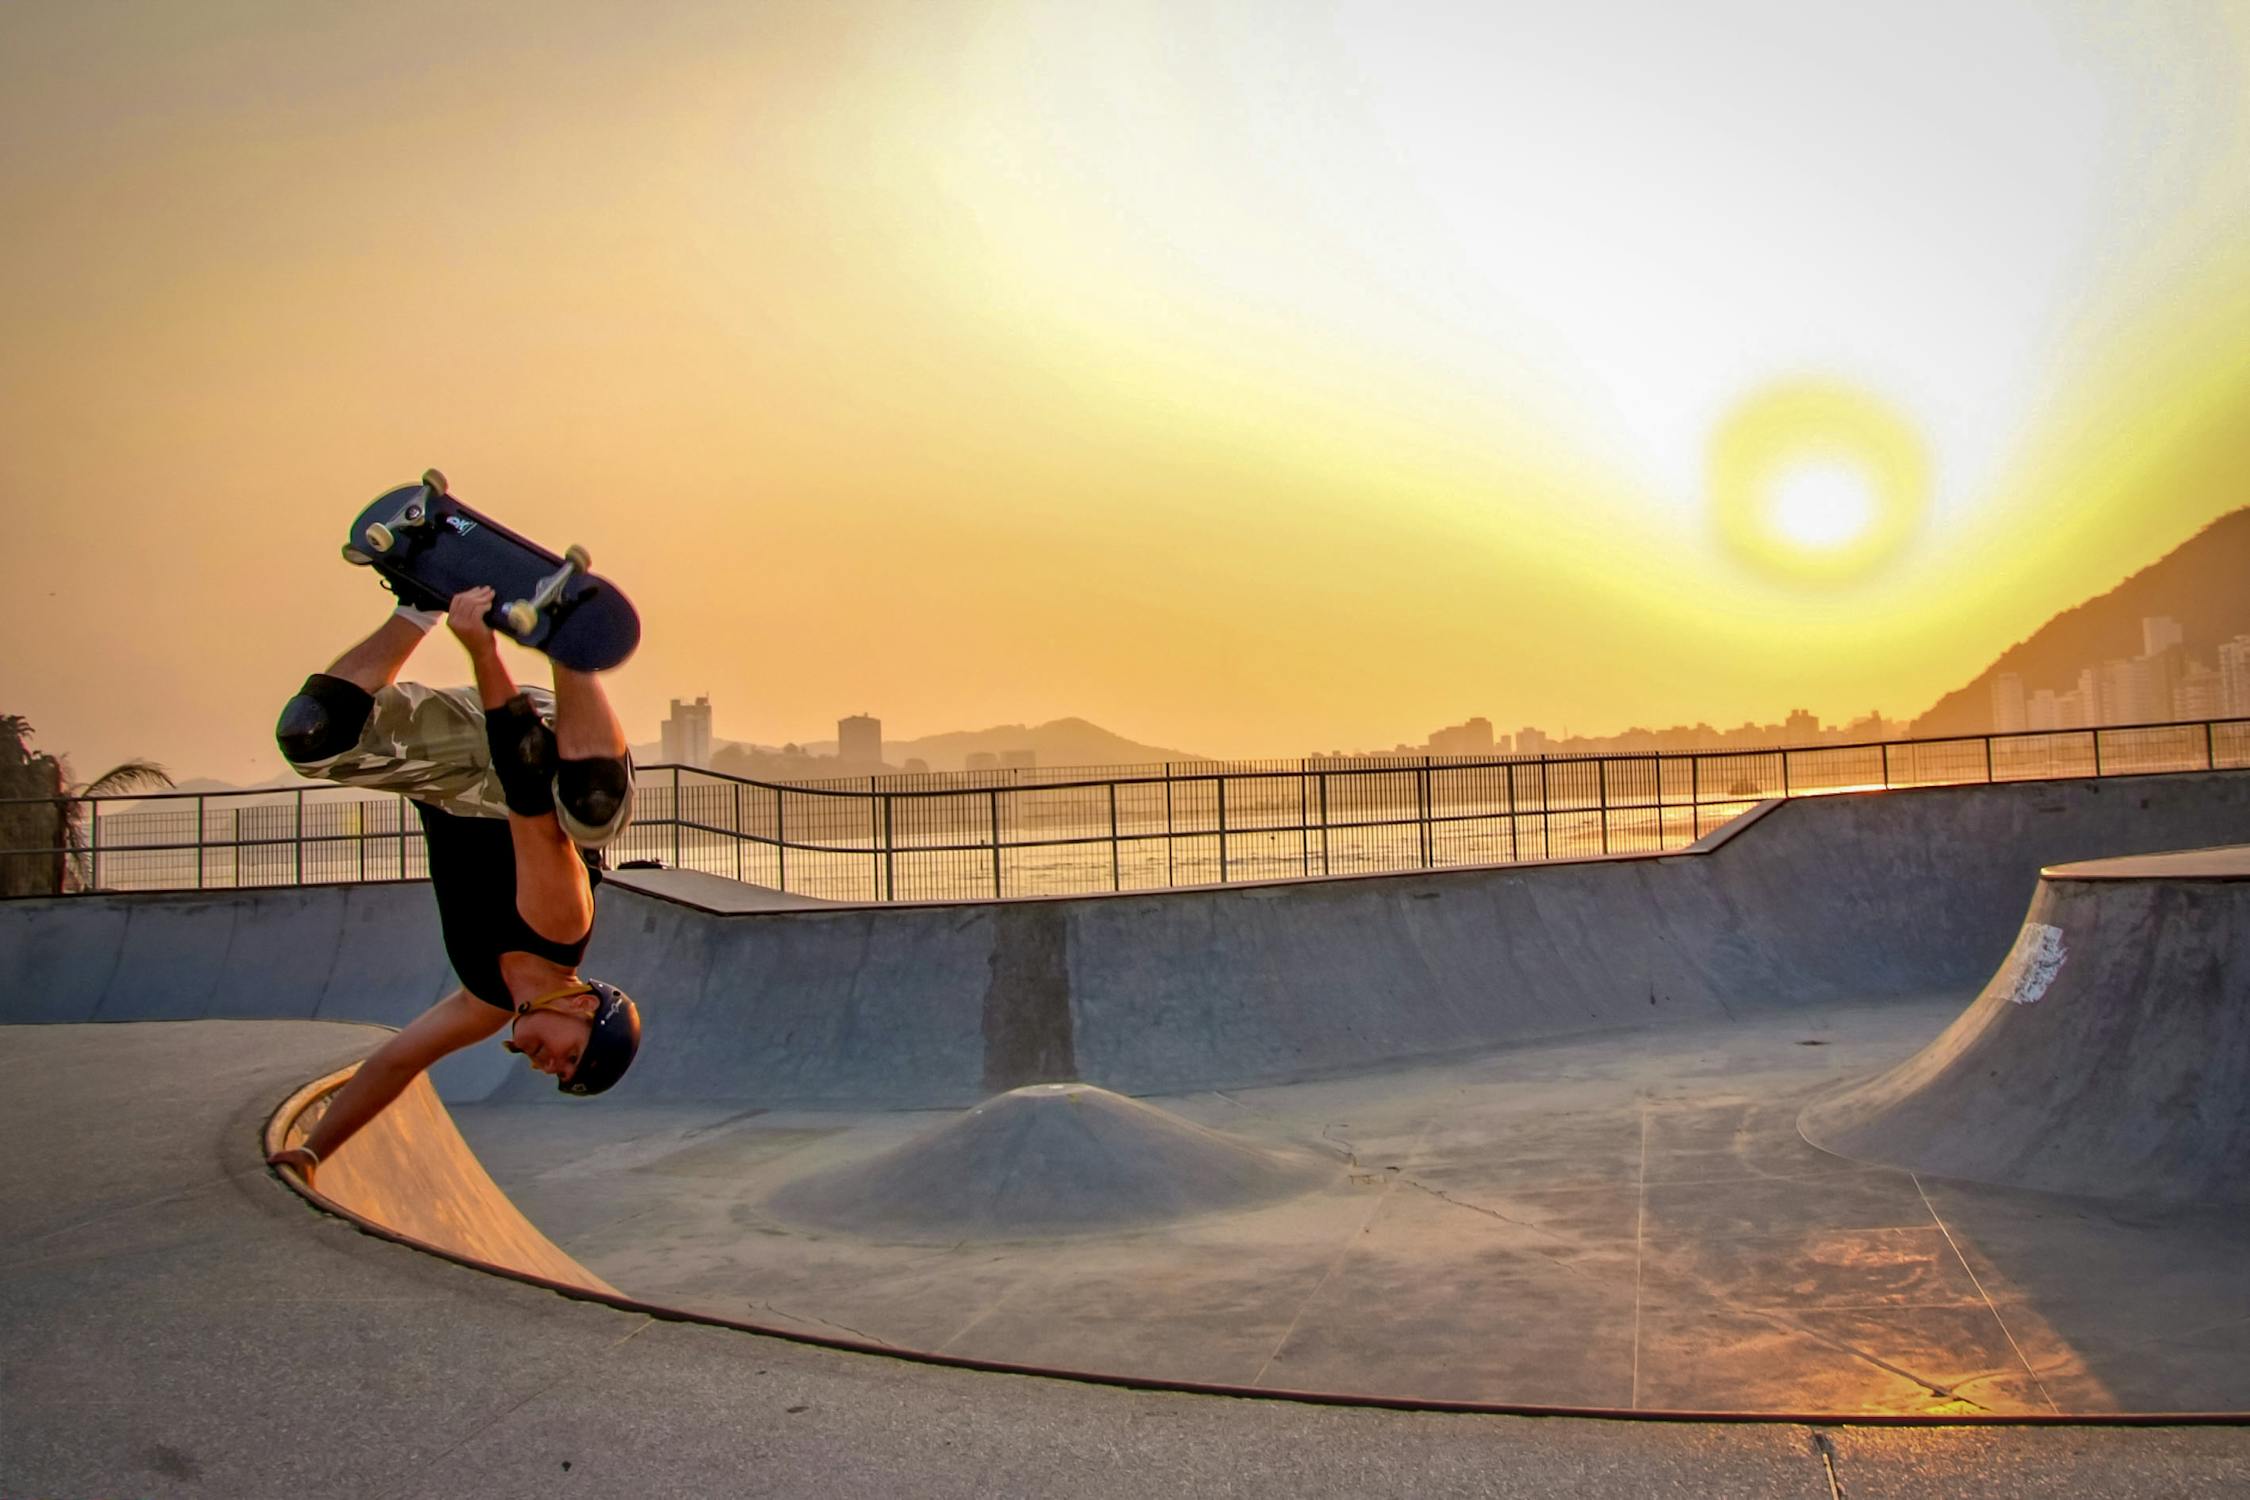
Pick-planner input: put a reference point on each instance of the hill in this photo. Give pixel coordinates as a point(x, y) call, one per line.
point(2204, 584)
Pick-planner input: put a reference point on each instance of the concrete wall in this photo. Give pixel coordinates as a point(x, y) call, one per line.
point(1821, 900)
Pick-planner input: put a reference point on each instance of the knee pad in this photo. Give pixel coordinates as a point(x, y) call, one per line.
point(523, 756)
point(592, 796)
point(323, 720)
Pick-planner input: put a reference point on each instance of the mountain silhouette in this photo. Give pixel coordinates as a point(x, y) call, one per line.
point(2204, 584)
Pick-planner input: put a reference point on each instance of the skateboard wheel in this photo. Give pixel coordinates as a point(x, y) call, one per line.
point(379, 537)
point(355, 557)
point(433, 481)
point(579, 558)
point(521, 617)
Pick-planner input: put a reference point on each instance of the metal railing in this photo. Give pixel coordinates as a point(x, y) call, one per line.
point(980, 835)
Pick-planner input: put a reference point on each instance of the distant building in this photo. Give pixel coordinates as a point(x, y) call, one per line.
point(2196, 694)
point(1802, 727)
point(1530, 741)
point(687, 733)
point(2008, 708)
point(2117, 694)
point(2234, 677)
point(981, 760)
point(859, 739)
point(1472, 738)
point(2158, 634)
point(1018, 760)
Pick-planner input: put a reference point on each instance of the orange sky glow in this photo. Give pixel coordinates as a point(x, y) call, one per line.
point(1252, 380)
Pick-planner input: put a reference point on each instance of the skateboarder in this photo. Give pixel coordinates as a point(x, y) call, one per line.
point(507, 804)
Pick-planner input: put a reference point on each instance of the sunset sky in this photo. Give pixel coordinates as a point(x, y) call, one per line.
point(1251, 378)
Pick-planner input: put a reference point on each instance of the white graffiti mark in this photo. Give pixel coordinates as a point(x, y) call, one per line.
point(2034, 962)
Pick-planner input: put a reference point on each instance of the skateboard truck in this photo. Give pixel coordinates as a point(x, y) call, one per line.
point(414, 515)
point(522, 615)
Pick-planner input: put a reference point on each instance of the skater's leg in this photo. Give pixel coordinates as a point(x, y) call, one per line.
point(593, 771)
point(552, 893)
point(586, 727)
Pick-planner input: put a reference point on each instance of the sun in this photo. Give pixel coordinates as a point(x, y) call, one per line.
point(1816, 481)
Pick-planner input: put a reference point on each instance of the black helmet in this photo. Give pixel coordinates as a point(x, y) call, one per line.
point(616, 1037)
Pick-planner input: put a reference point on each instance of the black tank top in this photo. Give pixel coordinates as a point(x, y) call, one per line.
point(473, 873)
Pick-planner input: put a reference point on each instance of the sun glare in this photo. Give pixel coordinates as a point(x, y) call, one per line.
point(1816, 481)
point(1822, 505)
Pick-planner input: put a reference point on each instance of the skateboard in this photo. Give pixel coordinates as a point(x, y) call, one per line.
point(428, 547)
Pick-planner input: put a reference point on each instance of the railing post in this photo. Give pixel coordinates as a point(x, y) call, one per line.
point(780, 845)
point(1601, 770)
point(1171, 876)
point(1989, 778)
point(994, 794)
point(1660, 801)
point(94, 839)
point(199, 841)
point(1425, 811)
point(1546, 812)
point(2210, 748)
point(359, 835)
point(1116, 868)
point(1304, 824)
point(1885, 747)
point(299, 841)
point(736, 825)
point(675, 817)
point(1695, 794)
point(1324, 869)
point(1222, 829)
point(1515, 855)
point(2097, 750)
point(890, 854)
point(401, 840)
point(1784, 773)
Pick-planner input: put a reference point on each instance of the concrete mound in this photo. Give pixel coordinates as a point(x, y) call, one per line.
point(2109, 1055)
point(1049, 1159)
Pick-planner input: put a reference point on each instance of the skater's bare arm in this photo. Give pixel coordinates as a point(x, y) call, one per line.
point(466, 620)
point(376, 661)
point(459, 1020)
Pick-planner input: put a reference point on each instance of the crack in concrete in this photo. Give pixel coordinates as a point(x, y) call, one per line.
point(782, 1312)
point(1491, 1213)
point(1351, 1152)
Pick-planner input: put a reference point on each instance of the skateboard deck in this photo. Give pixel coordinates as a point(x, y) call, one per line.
point(428, 546)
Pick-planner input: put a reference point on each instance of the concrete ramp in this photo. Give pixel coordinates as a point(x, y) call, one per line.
point(2108, 1056)
point(409, 1175)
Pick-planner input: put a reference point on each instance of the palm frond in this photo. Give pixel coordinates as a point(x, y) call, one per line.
point(122, 781)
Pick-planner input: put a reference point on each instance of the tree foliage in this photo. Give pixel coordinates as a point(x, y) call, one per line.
point(44, 844)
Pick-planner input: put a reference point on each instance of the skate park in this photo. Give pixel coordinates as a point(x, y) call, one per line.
point(1860, 1118)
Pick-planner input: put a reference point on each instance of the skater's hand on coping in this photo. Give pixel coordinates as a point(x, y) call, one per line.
point(465, 618)
point(296, 1156)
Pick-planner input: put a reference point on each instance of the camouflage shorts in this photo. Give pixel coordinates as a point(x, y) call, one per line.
point(428, 744)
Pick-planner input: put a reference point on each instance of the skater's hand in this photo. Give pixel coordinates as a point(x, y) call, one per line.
point(296, 1156)
point(465, 618)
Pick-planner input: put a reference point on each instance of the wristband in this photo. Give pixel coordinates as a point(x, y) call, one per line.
point(309, 1151)
point(421, 619)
